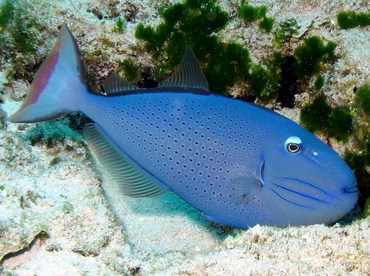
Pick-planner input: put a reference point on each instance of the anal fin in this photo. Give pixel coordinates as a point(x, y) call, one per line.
point(132, 179)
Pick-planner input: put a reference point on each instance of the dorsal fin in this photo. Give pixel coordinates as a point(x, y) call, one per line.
point(115, 85)
point(189, 74)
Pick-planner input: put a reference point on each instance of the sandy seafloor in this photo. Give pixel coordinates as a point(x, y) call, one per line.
point(59, 216)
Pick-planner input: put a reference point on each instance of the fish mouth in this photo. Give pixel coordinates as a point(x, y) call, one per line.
point(352, 189)
point(299, 192)
point(308, 195)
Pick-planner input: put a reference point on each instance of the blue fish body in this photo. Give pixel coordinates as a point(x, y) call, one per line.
point(238, 163)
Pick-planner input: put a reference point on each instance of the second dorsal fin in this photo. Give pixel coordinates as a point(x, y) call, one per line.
point(189, 74)
point(115, 85)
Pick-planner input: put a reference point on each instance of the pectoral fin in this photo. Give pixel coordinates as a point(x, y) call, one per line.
point(246, 184)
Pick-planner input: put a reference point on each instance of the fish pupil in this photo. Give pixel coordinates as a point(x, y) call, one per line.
point(293, 144)
point(293, 148)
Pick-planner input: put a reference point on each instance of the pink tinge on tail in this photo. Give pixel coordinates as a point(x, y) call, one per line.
point(57, 84)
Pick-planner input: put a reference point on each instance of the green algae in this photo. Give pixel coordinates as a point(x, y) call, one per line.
point(131, 70)
point(356, 160)
point(191, 23)
point(319, 82)
point(18, 28)
point(121, 25)
point(263, 81)
point(311, 54)
point(315, 116)
point(362, 98)
point(352, 19)
point(251, 13)
point(228, 66)
point(19, 38)
point(188, 24)
point(286, 30)
point(266, 24)
point(367, 208)
point(362, 109)
point(318, 116)
point(367, 152)
point(195, 24)
point(296, 71)
point(340, 123)
point(7, 10)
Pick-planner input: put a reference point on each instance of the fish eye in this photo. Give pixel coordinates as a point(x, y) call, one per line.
point(293, 144)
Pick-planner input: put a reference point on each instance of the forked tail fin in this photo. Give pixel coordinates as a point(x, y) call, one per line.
point(58, 84)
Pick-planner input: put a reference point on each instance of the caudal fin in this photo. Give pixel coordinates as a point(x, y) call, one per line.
point(58, 84)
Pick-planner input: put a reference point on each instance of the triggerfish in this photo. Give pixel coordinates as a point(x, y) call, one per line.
point(237, 163)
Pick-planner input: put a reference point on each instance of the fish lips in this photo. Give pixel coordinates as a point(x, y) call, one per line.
point(323, 197)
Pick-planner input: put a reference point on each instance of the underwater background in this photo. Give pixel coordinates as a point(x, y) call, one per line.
point(59, 213)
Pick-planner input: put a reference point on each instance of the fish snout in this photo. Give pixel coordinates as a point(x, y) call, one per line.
point(348, 193)
point(349, 182)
